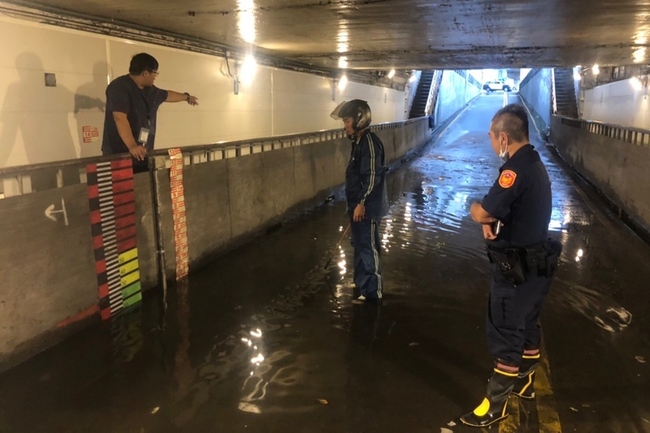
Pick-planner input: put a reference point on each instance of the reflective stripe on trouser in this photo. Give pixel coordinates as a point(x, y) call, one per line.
point(367, 262)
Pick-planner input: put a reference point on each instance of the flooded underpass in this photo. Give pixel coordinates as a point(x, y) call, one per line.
point(266, 338)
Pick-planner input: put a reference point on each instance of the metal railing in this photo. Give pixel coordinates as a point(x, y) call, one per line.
point(553, 91)
point(636, 136)
point(433, 92)
point(20, 180)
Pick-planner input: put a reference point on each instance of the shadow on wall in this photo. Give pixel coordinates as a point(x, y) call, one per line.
point(34, 121)
point(89, 106)
point(39, 113)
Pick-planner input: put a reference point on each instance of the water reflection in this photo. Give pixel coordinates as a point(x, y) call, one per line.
point(342, 263)
point(254, 388)
point(126, 332)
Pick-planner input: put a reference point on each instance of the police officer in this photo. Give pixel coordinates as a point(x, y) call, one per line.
point(367, 200)
point(514, 215)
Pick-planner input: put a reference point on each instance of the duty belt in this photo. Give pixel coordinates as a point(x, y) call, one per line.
point(515, 262)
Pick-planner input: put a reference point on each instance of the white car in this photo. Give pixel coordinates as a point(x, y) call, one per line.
point(491, 86)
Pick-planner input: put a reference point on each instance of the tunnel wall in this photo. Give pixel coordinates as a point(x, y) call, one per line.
point(617, 103)
point(617, 167)
point(536, 91)
point(70, 115)
point(455, 92)
point(232, 193)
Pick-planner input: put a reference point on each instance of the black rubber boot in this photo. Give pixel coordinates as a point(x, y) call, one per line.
point(495, 404)
point(524, 385)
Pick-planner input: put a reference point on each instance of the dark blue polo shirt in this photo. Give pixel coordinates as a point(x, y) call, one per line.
point(140, 106)
point(521, 199)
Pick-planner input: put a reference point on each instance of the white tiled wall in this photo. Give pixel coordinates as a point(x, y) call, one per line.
point(617, 103)
point(42, 124)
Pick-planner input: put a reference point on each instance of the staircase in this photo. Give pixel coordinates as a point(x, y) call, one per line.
point(421, 95)
point(565, 93)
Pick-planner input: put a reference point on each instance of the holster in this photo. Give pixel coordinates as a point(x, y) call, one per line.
point(510, 263)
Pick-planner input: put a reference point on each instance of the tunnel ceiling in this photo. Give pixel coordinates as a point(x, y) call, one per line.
point(400, 34)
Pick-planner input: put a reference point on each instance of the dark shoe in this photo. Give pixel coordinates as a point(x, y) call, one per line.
point(524, 385)
point(494, 407)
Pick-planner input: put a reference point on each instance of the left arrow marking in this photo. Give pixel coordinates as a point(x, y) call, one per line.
point(49, 211)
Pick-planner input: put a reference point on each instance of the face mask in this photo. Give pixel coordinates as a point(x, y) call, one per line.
point(503, 154)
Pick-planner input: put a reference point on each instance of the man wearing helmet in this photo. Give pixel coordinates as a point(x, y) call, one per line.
point(367, 200)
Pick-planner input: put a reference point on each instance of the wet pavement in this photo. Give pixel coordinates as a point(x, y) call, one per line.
point(267, 340)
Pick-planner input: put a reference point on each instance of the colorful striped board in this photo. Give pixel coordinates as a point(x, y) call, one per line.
point(112, 218)
point(178, 213)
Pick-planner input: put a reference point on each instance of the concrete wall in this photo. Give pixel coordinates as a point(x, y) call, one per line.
point(47, 268)
point(42, 124)
point(249, 192)
point(618, 169)
point(617, 103)
point(455, 92)
point(536, 91)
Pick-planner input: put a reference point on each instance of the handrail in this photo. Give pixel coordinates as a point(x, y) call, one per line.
point(293, 139)
point(21, 176)
point(433, 92)
point(553, 91)
point(627, 134)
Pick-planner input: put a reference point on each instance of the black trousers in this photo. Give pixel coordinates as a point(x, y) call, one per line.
point(513, 315)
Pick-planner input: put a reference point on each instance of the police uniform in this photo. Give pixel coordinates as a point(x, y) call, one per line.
point(523, 260)
point(521, 200)
point(365, 183)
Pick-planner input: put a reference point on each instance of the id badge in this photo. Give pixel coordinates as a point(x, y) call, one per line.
point(144, 135)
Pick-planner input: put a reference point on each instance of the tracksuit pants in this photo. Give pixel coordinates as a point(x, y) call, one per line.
point(367, 252)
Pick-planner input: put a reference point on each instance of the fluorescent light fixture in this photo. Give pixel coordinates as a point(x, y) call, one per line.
point(248, 69)
point(639, 55)
point(343, 82)
point(636, 83)
point(595, 69)
point(412, 78)
point(343, 62)
point(391, 74)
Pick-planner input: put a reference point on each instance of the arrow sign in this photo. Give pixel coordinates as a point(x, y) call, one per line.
point(50, 211)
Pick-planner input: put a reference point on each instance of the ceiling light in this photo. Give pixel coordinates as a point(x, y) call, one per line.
point(248, 69)
point(343, 82)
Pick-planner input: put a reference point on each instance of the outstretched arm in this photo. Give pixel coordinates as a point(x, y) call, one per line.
point(173, 96)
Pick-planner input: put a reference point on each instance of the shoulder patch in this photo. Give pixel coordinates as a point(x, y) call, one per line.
point(507, 178)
